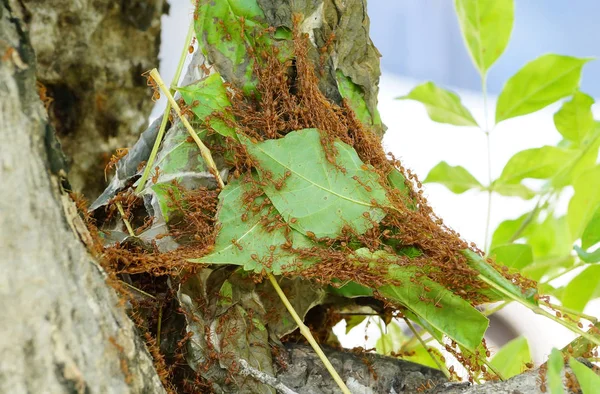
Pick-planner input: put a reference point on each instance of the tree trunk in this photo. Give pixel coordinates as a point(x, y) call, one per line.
point(63, 328)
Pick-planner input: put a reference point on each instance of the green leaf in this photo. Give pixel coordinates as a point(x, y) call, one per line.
point(355, 97)
point(584, 202)
point(206, 97)
point(506, 230)
point(316, 196)
point(351, 290)
point(497, 281)
point(442, 105)
point(512, 190)
point(549, 238)
point(486, 27)
point(554, 373)
point(591, 233)
point(575, 120)
point(513, 255)
point(512, 357)
point(248, 242)
point(455, 178)
point(445, 311)
point(178, 160)
point(390, 341)
point(537, 163)
point(225, 39)
point(588, 380)
point(539, 83)
point(588, 257)
point(582, 288)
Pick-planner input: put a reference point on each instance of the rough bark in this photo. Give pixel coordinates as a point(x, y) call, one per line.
point(62, 328)
point(90, 56)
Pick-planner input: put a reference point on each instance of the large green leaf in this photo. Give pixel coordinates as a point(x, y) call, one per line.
point(585, 201)
point(554, 372)
point(226, 31)
point(537, 163)
point(442, 309)
point(512, 357)
point(575, 120)
point(316, 196)
point(455, 178)
point(486, 27)
point(497, 282)
point(538, 84)
point(591, 233)
point(246, 241)
point(513, 255)
point(442, 105)
point(588, 380)
point(206, 97)
point(355, 97)
point(582, 288)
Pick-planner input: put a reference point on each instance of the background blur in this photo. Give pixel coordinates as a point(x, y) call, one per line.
point(420, 40)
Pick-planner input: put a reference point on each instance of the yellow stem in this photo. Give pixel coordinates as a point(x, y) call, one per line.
point(204, 151)
point(307, 334)
point(127, 224)
point(435, 360)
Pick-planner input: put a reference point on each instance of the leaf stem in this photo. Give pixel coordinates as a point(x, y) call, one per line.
point(305, 331)
point(435, 360)
point(569, 311)
point(127, 224)
point(566, 271)
point(488, 144)
point(165, 119)
point(541, 311)
point(204, 151)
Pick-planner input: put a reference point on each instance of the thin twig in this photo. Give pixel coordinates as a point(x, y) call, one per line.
point(204, 151)
point(308, 335)
point(165, 119)
point(247, 370)
point(127, 224)
point(435, 360)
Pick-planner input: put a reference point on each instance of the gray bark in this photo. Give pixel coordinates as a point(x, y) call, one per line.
point(62, 330)
point(90, 57)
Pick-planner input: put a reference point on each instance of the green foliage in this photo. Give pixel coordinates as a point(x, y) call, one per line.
point(433, 303)
point(315, 193)
point(588, 381)
point(585, 202)
point(512, 357)
point(455, 178)
point(246, 241)
point(207, 97)
point(543, 243)
point(486, 27)
point(582, 288)
point(394, 341)
point(442, 105)
point(554, 373)
point(575, 120)
point(540, 83)
point(355, 97)
point(516, 256)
